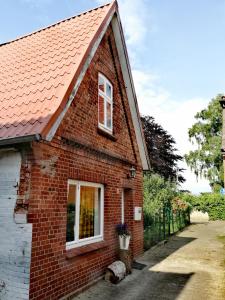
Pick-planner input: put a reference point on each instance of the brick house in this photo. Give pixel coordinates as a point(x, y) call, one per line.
point(70, 136)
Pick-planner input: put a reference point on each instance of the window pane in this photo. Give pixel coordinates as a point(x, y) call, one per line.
point(101, 84)
point(109, 115)
point(89, 212)
point(101, 110)
point(71, 201)
point(108, 90)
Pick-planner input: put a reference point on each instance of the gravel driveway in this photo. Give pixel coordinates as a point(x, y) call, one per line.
point(190, 266)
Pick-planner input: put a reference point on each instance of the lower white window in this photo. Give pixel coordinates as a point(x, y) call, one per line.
point(85, 213)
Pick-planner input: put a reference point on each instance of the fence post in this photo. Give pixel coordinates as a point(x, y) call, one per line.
point(189, 216)
point(172, 220)
point(153, 238)
point(179, 220)
point(159, 219)
point(169, 211)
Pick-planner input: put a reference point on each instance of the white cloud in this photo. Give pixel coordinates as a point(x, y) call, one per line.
point(135, 15)
point(175, 117)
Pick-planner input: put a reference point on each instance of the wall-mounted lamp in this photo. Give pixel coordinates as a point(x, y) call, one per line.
point(132, 173)
point(222, 101)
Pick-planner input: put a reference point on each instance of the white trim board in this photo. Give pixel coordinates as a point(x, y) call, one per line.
point(126, 70)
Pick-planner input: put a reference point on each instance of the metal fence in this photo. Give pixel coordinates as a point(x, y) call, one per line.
point(163, 224)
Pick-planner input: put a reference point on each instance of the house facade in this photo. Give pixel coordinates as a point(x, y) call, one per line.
point(70, 139)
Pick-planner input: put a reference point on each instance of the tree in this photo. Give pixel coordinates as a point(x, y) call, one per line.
point(157, 192)
point(162, 153)
point(206, 161)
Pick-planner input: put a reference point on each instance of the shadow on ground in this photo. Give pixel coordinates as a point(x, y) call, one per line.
point(189, 267)
point(146, 284)
point(162, 285)
point(153, 257)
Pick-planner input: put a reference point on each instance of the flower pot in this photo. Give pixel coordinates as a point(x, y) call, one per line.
point(124, 241)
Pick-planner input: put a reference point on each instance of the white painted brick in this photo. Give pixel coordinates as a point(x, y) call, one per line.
point(15, 249)
point(20, 218)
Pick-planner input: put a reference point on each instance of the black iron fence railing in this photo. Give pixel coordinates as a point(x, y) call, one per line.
point(163, 224)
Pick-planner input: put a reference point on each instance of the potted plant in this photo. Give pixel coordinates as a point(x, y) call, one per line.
point(124, 235)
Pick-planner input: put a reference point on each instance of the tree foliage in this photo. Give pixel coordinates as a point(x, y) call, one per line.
point(157, 191)
point(212, 203)
point(206, 161)
point(162, 152)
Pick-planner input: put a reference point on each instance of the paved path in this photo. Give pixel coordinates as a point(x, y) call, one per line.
point(189, 267)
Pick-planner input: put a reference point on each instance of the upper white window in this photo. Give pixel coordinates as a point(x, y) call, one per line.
point(105, 104)
point(84, 213)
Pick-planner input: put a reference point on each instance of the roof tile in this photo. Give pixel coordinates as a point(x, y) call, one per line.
point(36, 71)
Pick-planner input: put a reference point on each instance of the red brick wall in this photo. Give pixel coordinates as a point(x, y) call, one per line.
point(56, 272)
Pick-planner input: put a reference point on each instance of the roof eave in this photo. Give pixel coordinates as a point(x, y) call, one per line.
point(20, 139)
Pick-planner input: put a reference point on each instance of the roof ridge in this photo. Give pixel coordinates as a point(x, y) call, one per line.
point(54, 24)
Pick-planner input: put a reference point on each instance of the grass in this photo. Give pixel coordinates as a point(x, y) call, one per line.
point(221, 238)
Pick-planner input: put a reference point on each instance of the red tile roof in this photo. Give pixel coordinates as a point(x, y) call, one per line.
point(38, 72)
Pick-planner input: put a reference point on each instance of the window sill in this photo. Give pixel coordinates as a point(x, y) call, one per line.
point(106, 134)
point(71, 253)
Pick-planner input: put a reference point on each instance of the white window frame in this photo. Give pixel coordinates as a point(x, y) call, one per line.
point(107, 99)
point(81, 242)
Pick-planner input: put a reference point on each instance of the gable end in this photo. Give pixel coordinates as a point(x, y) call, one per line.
point(126, 71)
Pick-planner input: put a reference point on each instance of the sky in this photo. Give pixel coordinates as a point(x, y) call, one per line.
point(176, 50)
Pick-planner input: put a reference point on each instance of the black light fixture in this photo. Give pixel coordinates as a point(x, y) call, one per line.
point(132, 172)
point(222, 101)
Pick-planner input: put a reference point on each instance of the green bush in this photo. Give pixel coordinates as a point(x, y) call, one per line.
point(212, 203)
point(157, 192)
point(180, 204)
point(164, 211)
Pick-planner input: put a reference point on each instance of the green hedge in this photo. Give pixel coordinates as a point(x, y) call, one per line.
point(212, 203)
